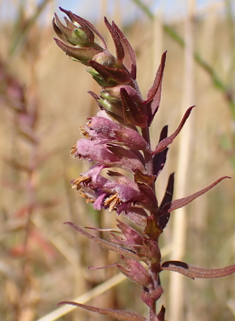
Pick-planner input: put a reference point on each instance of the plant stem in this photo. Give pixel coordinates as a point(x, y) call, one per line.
point(152, 312)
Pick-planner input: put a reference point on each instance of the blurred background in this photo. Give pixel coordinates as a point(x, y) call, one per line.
point(43, 103)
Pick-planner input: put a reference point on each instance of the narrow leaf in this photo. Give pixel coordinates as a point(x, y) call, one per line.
point(159, 159)
point(63, 32)
point(168, 140)
point(163, 219)
point(117, 42)
point(84, 54)
point(132, 114)
point(197, 272)
point(140, 177)
point(117, 314)
point(149, 197)
point(169, 191)
point(186, 200)
point(150, 298)
point(85, 25)
point(137, 215)
point(152, 229)
point(161, 314)
point(116, 75)
point(103, 243)
point(154, 94)
point(129, 60)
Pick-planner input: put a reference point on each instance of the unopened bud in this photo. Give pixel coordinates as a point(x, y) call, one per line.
point(105, 59)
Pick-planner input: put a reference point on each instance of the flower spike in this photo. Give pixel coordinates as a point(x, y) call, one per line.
point(124, 167)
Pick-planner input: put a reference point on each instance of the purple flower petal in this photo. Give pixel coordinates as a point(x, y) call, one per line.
point(93, 151)
point(99, 201)
point(106, 129)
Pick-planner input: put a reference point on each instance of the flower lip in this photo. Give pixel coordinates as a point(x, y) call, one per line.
point(104, 128)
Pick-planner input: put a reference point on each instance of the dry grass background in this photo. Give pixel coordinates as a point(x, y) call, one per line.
point(42, 262)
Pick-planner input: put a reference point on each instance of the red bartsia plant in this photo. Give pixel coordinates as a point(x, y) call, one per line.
point(118, 138)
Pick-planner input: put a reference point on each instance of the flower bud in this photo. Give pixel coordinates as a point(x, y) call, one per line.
point(82, 35)
point(112, 107)
point(105, 59)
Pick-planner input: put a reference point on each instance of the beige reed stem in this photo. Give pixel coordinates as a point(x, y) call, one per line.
point(179, 218)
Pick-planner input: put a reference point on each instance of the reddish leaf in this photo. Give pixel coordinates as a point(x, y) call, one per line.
point(163, 219)
point(131, 235)
point(150, 297)
point(62, 32)
point(154, 94)
point(129, 60)
point(97, 98)
point(135, 271)
point(168, 140)
point(82, 22)
point(84, 54)
point(161, 314)
point(159, 159)
point(186, 200)
point(140, 177)
point(103, 243)
point(117, 42)
point(137, 215)
point(117, 314)
point(127, 159)
point(169, 191)
point(115, 75)
point(149, 197)
point(152, 228)
point(86, 26)
point(132, 114)
point(197, 272)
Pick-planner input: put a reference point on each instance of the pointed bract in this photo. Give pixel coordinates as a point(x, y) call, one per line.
point(111, 75)
point(135, 271)
point(197, 272)
point(154, 94)
point(106, 245)
point(84, 23)
point(168, 140)
point(159, 159)
point(117, 314)
point(132, 113)
point(164, 218)
point(84, 55)
point(150, 297)
point(169, 207)
point(117, 42)
point(129, 60)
